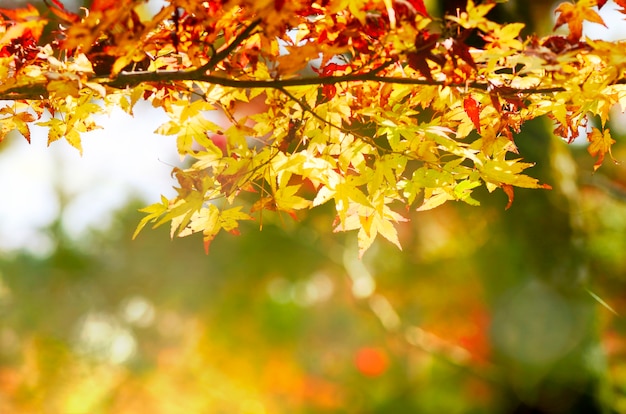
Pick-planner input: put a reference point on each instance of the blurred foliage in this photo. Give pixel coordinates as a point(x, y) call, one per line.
point(288, 320)
point(266, 323)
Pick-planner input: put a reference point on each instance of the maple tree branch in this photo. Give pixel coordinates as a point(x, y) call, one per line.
point(31, 92)
point(37, 90)
point(130, 79)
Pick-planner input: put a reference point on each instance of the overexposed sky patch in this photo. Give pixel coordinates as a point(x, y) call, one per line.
point(615, 24)
point(125, 160)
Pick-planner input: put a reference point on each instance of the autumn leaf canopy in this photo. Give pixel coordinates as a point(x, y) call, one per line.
point(373, 106)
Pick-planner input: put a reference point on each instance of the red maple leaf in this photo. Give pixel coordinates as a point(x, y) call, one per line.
point(330, 69)
point(472, 109)
point(409, 8)
point(329, 91)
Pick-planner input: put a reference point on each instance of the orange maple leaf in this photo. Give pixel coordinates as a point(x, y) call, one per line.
point(574, 14)
point(508, 190)
point(600, 144)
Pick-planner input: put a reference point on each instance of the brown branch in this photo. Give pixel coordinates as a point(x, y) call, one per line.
point(31, 92)
point(37, 90)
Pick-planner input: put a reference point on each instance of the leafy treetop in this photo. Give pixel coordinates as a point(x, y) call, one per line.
point(371, 105)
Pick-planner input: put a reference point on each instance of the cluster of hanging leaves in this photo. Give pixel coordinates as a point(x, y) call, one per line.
point(371, 105)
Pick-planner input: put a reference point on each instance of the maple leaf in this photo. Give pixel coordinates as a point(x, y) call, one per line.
point(461, 50)
point(600, 144)
point(424, 45)
point(434, 198)
point(16, 121)
point(472, 109)
point(371, 222)
point(153, 212)
point(508, 190)
point(497, 172)
point(210, 221)
point(622, 5)
point(574, 14)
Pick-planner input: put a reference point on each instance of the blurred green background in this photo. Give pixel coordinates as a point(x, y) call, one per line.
point(484, 310)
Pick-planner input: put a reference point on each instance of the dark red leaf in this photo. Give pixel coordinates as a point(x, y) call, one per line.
point(278, 5)
point(417, 62)
point(556, 43)
point(424, 44)
point(461, 50)
point(425, 41)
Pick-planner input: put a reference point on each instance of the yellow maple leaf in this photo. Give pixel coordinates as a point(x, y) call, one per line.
point(600, 144)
